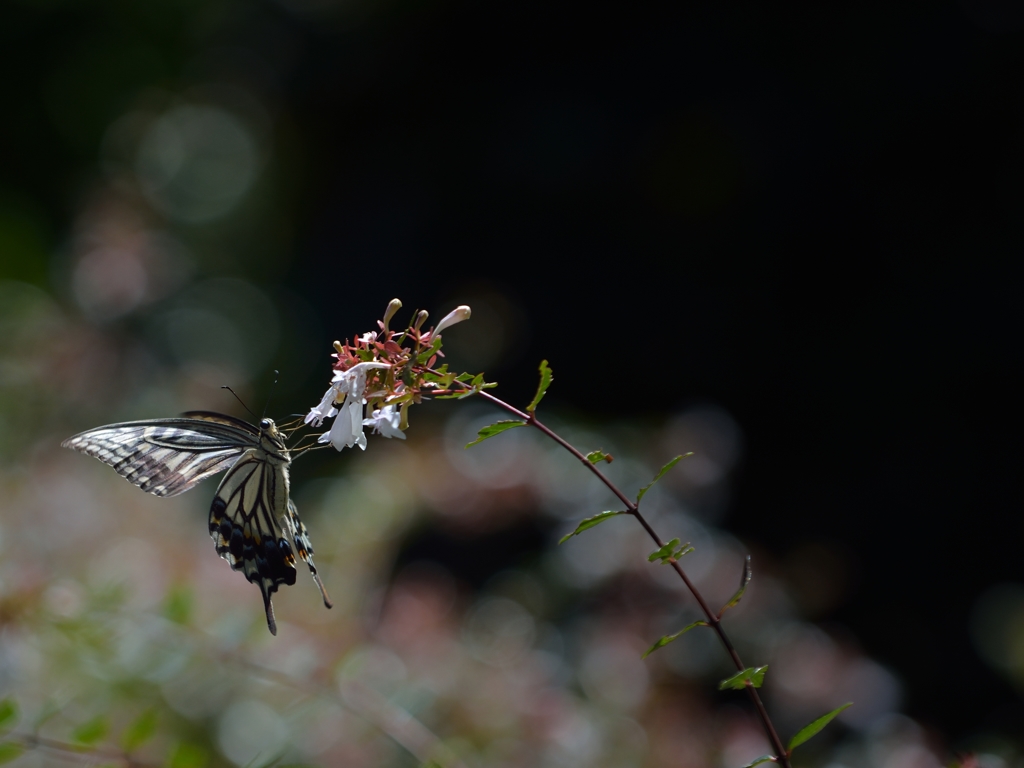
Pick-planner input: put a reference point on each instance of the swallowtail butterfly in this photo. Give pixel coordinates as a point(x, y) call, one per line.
point(253, 522)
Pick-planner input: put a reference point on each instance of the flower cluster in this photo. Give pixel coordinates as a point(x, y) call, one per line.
point(380, 374)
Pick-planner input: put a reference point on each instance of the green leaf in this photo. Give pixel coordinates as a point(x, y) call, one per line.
point(762, 759)
point(661, 473)
point(588, 523)
point(438, 373)
point(595, 456)
point(495, 429)
point(744, 581)
point(664, 552)
point(542, 387)
point(91, 731)
point(178, 604)
point(812, 728)
point(142, 729)
point(669, 638)
point(10, 750)
point(423, 357)
point(8, 714)
point(671, 550)
point(739, 681)
point(185, 755)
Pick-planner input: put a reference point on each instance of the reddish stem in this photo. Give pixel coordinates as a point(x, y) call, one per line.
point(781, 757)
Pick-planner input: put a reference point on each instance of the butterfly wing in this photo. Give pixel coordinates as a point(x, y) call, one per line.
point(167, 457)
point(301, 538)
point(246, 524)
point(251, 517)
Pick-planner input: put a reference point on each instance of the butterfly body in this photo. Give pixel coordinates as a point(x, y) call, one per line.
point(253, 521)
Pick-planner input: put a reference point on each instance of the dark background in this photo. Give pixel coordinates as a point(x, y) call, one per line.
point(812, 217)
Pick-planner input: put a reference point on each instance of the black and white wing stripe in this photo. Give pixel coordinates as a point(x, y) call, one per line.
point(305, 549)
point(251, 518)
point(167, 457)
point(245, 523)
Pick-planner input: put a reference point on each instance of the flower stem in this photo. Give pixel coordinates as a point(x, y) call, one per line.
point(712, 618)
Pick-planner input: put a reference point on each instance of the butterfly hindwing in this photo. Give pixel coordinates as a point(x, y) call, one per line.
point(304, 548)
point(245, 524)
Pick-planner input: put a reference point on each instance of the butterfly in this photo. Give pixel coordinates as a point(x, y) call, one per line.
point(253, 521)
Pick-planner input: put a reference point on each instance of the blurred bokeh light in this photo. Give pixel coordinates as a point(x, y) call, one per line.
point(195, 195)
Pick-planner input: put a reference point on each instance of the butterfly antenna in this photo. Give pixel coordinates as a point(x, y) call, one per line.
point(229, 389)
point(267, 404)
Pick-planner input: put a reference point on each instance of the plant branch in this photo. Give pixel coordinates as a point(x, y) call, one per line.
point(712, 618)
point(69, 751)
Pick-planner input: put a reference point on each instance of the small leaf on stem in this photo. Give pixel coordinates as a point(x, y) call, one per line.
point(669, 638)
point(671, 550)
point(425, 356)
point(542, 387)
point(744, 581)
point(762, 759)
point(8, 714)
point(590, 522)
point(595, 456)
point(495, 429)
point(142, 729)
point(664, 552)
point(753, 675)
point(91, 731)
point(661, 474)
point(812, 728)
point(10, 750)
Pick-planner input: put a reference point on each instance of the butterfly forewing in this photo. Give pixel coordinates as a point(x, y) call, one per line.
point(252, 516)
point(165, 457)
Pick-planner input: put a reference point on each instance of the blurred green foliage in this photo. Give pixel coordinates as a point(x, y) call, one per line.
point(138, 274)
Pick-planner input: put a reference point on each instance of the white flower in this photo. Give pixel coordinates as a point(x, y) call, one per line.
point(385, 422)
point(347, 429)
point(325, 410)
point(353, 381)
point(457, 315)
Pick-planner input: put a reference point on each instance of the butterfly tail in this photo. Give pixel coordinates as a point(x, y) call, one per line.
point(301, 538)
point(269, 606)
point(320, 584)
